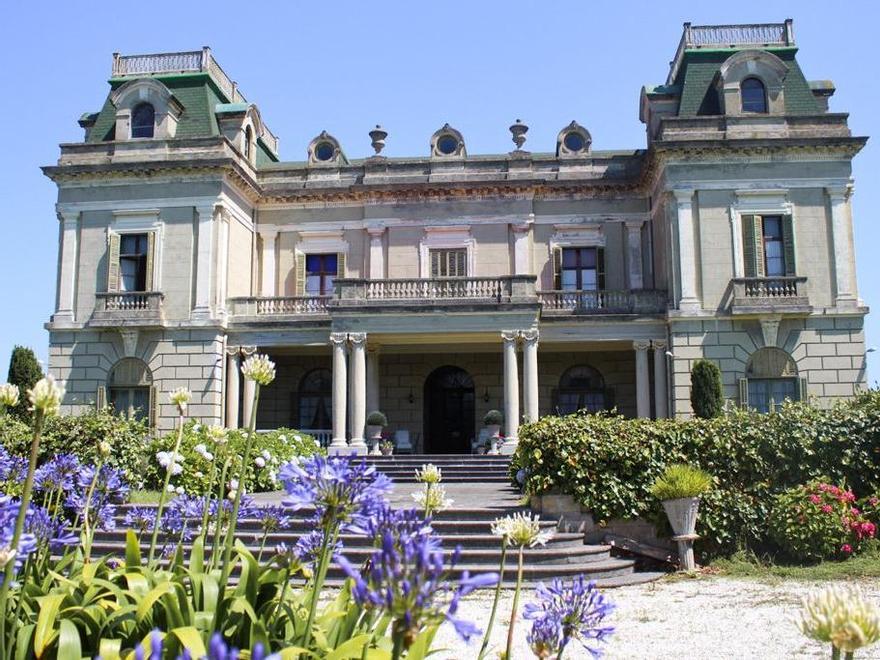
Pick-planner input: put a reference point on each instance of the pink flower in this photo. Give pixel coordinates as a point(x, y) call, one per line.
point(869, 529)
point(815, 499)
point(846, 549)
point(854, 511)
point(848, 496)
point(874, 501)
point(826, 508)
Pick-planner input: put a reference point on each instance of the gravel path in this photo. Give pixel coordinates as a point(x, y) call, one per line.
point(705, 618)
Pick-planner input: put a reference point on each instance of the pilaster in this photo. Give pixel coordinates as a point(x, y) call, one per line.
point(643, 382)
point(634, 253)
point(68, 275)
point(687, 255)
point(204, 261)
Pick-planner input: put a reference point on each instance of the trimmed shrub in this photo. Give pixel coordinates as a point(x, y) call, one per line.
point(24, 371)
point(679, 480)
point(608, 463)
point(270, 450)
point(79, 435)
point(818, 521)
point(377, 418)
point(493, 418)
point(707, 394)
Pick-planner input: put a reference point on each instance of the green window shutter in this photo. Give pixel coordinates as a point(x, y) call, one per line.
point(788, 244)
point(101, 398)
point(557, 268)
point(151, 251)
point(113, 263)
point(299, 274)
point(744, 392)
point(760, 264)
point(340, 265)
point(600, 268)
point(803, 394)
point(748, 230)
point(154, 407)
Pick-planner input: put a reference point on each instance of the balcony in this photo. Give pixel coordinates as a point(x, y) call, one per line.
point(576, 303)
point(280, 308)
point(128, 308)
point(436, 292)
point(769, 295)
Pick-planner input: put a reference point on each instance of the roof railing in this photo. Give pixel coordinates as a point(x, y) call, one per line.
point(188, 61)
point(759, 35)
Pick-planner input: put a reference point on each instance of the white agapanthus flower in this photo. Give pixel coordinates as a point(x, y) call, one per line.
point(218, 434)
point(259, 368)
point(46, 396)
point(7, 554)
point(9, 395)
point(180, 398)
point(260, 462)
point(104, 448)
point(432, 499)
point(842, 616)
point(521, 530)
point(429, 474)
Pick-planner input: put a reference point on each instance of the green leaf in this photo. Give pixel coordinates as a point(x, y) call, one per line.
point(197, 556)
point(191, 640)
point(422, 644)
point(45, 631)
point(109, 649)
point(23, 647)
point(132, 550)
point(69, 647)
point(353, 648)
point(150, 599)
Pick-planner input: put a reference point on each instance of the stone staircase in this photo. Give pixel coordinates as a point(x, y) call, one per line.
point(478, 484)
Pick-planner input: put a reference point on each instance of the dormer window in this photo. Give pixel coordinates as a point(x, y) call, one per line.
point(324, 151)
point(143, 121)
point(754, 96)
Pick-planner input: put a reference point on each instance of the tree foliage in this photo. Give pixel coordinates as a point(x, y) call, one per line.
point(707, 394)
point(24, 371)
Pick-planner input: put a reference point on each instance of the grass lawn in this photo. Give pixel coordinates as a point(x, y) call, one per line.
point(144, 497)
point(747, 565)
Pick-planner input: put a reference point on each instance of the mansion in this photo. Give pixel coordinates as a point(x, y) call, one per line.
point(441, 285)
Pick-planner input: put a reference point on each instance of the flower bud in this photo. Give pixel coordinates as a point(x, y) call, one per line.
point(46, 396)
point(180, 397)
point(104, 448)
point(9, 395)
point(218, 434)
point(259, 368)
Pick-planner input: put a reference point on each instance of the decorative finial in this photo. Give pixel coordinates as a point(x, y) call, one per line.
point(519, 130)
point(378, 135)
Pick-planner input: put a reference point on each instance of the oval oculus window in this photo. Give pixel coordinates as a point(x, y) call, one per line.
point(324, 151)
point(574, 141)
point(447, 144)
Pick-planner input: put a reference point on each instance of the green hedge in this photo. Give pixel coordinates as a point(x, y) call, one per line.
point(608, 462)
point(79, 435)
point(281, 445)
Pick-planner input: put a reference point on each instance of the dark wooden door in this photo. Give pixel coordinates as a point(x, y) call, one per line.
point(449, 411)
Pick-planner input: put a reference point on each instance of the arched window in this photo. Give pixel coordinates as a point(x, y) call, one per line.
point(248, 138)
point(581, 388)
point(771, 378)
point(128, 388)
point(314, 400)
point(754, 96)
point(143, 121)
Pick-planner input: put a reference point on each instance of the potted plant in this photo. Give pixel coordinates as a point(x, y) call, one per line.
point(386, 447)
point(492, 420)
point(376, 421)
point(679, 488)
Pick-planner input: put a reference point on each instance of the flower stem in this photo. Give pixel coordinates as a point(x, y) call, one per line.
point(485, 646)
point(328, 542)
point(163, 494)
point(87, 528)
point(835, 653)
point(218, 523)
point(207, 500)
point(519, 573)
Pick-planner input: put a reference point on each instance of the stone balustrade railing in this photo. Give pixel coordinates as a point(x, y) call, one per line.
point(129, 301)
point(641, 301)
point(752, 294)
point(279, 306)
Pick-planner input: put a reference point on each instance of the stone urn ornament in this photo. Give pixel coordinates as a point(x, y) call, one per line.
point(679, 488)
point(376, 422)
point(492, 420)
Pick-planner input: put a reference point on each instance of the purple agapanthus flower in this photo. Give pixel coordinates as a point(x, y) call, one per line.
point(48, 531)
point(406, 577)
point(567, 611)
point(58, 473)
point(12, 468)
point(308, 547)
point(139, 519)
point(109, 489)
point(341, 490)
point(217, 650)
point(400, 522)
point(27, 543)
point(272, 518)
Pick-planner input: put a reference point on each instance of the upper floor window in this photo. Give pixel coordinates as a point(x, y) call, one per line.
point(143, 121)
point(133, 250)
point(449, 263)
point(774, 251)
point(581, 269)
point(248, 138)
point(321, 272)
point(754, 96)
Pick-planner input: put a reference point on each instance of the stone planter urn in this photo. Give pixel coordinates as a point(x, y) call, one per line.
point(374, 432)
point(682, 514)
point(386, 450)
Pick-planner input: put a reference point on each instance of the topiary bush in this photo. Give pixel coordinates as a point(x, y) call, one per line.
point(707, 393)
point(818, 521)
point(608, 462)
point(493, 418)
point(377, 418)
point(24, 371)
point(271, 449)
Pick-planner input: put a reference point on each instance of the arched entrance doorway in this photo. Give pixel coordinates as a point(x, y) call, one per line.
point(449, 411)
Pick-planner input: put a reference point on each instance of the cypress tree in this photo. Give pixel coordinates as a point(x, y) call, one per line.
point(707, 398)
point(24, 371)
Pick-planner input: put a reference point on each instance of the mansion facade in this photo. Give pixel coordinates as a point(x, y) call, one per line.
point(439, 286)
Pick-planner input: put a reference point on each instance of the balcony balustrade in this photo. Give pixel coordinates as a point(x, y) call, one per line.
point(128, 308)
point(310, 306)
point(640, 301)
point(760, 295)
point(508, 289)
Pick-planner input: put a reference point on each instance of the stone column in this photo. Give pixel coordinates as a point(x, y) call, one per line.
point(661, 399)
point(530, 374)
point(233, 376)
point(643, 382)
point(67, 277)
point(222, 261)
point(687, 256)
point(340, 383)
point(634, 253)
point(249, 389)
point(511, 392)
point(358, 391)
point(844, 259)
point(267, 259)
point(521, 261)
point(377, 253)
point(373, 379)
point(204, 262)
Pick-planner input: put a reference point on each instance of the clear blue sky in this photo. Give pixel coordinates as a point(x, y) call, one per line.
point(411, 66)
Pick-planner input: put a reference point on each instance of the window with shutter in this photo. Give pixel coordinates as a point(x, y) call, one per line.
point(773, 244)
point(113, 263)
point(449, 262)
point(788, 245)
point(582, 269)
point(753, 245)
point(557, 268)
point(321, 271)
point(150, 265)
point(299, 274)
point(133, 251)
